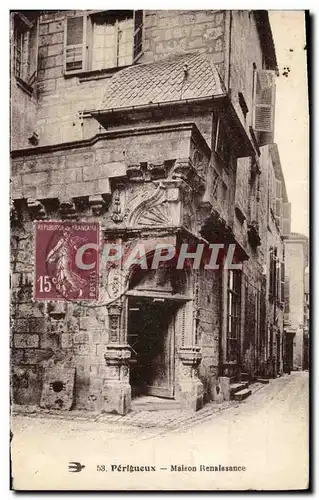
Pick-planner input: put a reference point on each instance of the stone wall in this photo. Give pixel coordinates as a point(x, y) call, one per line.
point(173, 31)
point(23, 116)
point(209, 328)
point(86, 170)
point(295, 266)
point(245, 51)
point(62, 98)
point(120, 170)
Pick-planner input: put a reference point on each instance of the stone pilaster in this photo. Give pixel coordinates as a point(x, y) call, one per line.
point(116, 386)
point(190, 387)
point(114, 313)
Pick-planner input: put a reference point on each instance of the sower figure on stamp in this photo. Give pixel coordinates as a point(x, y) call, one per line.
point(66, 280)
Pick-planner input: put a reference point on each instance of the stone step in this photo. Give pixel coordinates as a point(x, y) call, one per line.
point(262, 380)
point(244, 377)
point(152, 403)
point(237, 386)
point(243, 394)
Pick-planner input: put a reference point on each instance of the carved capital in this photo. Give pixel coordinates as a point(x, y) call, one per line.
point(115, 309)
point(117, 354)
point(190, 355)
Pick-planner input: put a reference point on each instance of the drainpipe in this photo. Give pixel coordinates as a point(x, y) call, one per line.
point(229, 53)
point(228, 32)
point(275, 310)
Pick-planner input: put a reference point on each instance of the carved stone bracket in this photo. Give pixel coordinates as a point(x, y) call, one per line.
point(14, 214)
point(218, 225)
point(253, 234)
point(36, 209)
point(67, 209)
point(185, 170)
point(98, 203)
point(145, 171)
point(136, 172)
point(157, 170)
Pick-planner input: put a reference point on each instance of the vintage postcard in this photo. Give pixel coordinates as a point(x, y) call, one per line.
point(159, 250)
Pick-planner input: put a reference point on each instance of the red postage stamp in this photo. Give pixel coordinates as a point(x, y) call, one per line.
point(66, 260)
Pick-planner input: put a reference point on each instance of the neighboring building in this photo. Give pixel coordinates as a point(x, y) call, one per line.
point(306, 323)
point(158, 124)
point(296, 302)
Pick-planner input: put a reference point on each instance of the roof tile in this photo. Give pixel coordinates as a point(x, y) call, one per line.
point(163, 81)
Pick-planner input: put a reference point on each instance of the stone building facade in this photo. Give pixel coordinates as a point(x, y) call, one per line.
point(158, 125)
point(296, 302)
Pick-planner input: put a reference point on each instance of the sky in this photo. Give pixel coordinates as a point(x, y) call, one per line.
point(291, 116)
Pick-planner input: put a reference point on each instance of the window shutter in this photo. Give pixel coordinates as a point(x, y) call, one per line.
point(278, 201)
point(278, 280)
point(138, 34)
point(75, 44)
point(264, 105)
point(286, 295)
point(275, 276)
point(33, 54)
point(282, 283)
point(286, 218)
point(271, 274)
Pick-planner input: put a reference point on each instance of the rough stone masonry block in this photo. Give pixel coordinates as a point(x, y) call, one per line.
point(22, 340)
point(26, 385)
point(224, 383)
point(58, 387)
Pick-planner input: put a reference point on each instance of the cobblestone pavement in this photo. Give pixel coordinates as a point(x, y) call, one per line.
point(167, 419)
point(267, 433)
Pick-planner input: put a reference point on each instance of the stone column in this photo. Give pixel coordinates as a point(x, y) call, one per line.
point(191, 388)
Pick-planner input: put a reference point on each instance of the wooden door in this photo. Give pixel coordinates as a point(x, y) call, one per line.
point(151, 336)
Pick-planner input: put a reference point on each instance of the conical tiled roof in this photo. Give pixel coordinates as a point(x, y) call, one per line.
point(183, 76)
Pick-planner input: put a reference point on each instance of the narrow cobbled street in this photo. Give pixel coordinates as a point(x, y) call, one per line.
point(266, 436)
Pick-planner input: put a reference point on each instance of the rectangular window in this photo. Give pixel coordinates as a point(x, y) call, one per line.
point(233, 314)
point(103, 40)
point(25, 48)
